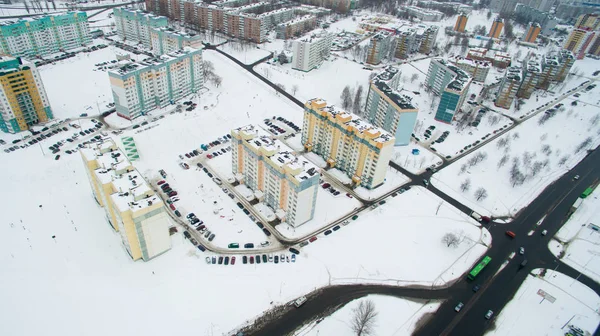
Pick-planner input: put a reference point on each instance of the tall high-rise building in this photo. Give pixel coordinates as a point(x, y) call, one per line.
point(154, 83)
point(166, 40)
point(451, 83)
point(496, 29)
point(578, 42)
point(566, 60)
point(310, 51)
point(477, 69)
point(288, 182)
point(23, 99)
point(387, 108)
point(531, 74)
point(44, 35)
point(379, 47)
point(461, 23)
point(588, 21)
point(546, 20)
point(426, 38)
point(531, 35)
point(131, 206)
point(594, 48)
point(503, 6)
point(550, 66)
point(136, 26)
point(347, 143)
point(508, 87)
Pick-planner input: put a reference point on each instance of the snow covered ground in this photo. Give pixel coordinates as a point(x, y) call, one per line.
point(404, 157)
point(75, 86)
point(395, 316)
point(578, 242)
point(544, 152)
point(528, 313)
point(245, 53)
point(393, 180)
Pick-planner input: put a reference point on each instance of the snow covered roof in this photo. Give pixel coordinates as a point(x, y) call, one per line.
point(315, 36)
point(277, 153)
point(402, 101)
point(127, 67)
point(299, 19)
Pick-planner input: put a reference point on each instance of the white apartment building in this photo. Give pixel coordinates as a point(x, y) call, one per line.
point(131, 206)
point(136, 26)
point(347, 142)
point(310, 51)
point(288, 183)
point(167, 40)
point(156, 82)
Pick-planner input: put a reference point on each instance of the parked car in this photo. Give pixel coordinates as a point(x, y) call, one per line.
point(211, 237)
point(294, 251)
point(459, 306)
point(489, 314)
point(244, 259)
point(476, 288)
point(233, 260)
point(249, 245)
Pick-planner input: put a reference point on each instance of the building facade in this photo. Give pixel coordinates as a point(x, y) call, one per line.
point(496, 29)
point(508, 87)
point(23, 99)
point(579, 41)
point(423, 14)
point(503, 6)
point(531, 75)
point(136, 26)
point(380, 46)
point(546, 20)
point(296, 27)
point(347, 143)
point(167, 40)
point(531, 35)
point(478, 70)
point(451, 83)
point(131, 206)
point(155, 83)
point(461, 23)
point(310, 51)
point(388, 109)
point(288, 183)
point(44, 35)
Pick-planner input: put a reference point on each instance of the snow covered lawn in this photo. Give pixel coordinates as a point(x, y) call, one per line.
point(246, 54)
point(528, 313)
point(583, 240)
point(395, 316)
point(393, 179)
point(416, 164)
point(543, 153)
point(326, 82)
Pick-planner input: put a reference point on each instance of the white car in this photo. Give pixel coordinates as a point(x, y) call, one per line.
point(217, 180)
point(265, 243)
point(521, 250)
point(489, 314)
point(208, 260)
point(174, 199)
point(545, 232)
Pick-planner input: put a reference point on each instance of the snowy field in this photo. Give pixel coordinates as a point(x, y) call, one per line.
point(543, 153)
point(245, 53)
point(395, 316)
point(416, 164)
point(75, 86)
point(326, 82)
point(578, 242)
point(530, 314)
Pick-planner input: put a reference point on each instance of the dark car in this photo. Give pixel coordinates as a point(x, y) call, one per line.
point(186, 234)
point(258, 259)
point(177, 213)
point(328, 232)
point(335, 228)
point(294, 251)
point(226, 260)
point(277, 259)
point(260, 225)
point(244, 259)
point(57, 157)
point(249, 245)
point(220, 260)
point(266, 232)
point(264, 258)
point(201, 247)
point(476, 288)
point(172, 193)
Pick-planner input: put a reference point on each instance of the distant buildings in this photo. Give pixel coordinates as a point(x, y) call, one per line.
point(379, 47)
point(496, 29)
point(451, 83)
point(423, 14)
point(456, 6)
point(525, 13)
point(136, 26)
point(131, 206)
point(579, 41)
point(508, 87)
point(531, 35)
point(167, 40)
point(390, 110)
point(503, 6)
point(347, 142)
point(497, 59)
point(478, 70)
point(23, 99)
point(569, 9)
point(461, 23)
point(156, 82)
point(288, 183)
point(296, 27)
point(310, 51)
point(588, 21)
point(44, 35)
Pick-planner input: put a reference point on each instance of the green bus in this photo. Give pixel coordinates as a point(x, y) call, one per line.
point(587, 192)
point(475, 271)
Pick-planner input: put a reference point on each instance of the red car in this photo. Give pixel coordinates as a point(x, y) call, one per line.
point(326, 185)
point(233, 260)
point(161, 182)
point(510, 234)
point(209, 156)
point(252, 259)
point(348, 194)
point(312, 239)
point(187, 155)
point(172, 193)
point(172, 206)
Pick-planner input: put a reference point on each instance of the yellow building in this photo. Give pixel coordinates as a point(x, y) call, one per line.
point(23, 99)
point(588, 21)
point(496, 29)
point(578, 42)
point(532, 32)
point(461, 23)
point(132, 208)
point(347, 142)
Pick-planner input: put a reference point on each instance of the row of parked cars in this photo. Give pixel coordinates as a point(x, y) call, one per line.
point(259, 258)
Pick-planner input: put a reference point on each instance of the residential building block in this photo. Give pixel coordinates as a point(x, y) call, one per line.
point(167, 40)
point(478, 70)
point(508, 87)
point(461, 23)
point(496, 29)
point(136, 26)
point(531, 35)
point(379, 47)
point(531, 75)
point(296, 27)
point(310, 51)
point(451, 83)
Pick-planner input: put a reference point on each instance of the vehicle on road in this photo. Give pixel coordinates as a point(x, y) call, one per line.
point(521, 250)
point(233, 245)
point(576, 177)
point(545, 232)
point(300, 301)
point(476, 216)
point(327, 232)
point(511, 234)
point(479, 267)
point(425, 182)
point(587, 192)
point(248, 245)
point(459, 306)
point(489, 314)
point(523, 264)
point(476, 288)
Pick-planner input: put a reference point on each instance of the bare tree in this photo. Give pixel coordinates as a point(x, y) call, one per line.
point(503, 142)
point(346, 98)
point(584, 144)
point(503, 161)
point(536, 168)
point(516, 176)
point(465, 185)
point(294, 89)
point(281, 86)
point(414, 77)
point(463, 169)
point(357, 100)
point(546, 149)
point(480, 194)
point(450, 239)
point(563, 160)
point(217, 80)
point(363, 318)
